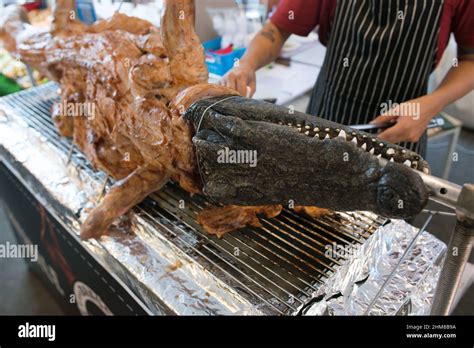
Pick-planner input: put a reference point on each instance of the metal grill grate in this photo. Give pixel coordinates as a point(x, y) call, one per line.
point(276, 267)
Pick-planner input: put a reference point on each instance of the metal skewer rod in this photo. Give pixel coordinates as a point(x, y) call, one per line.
point(69, 154)
point(31, 75)
point(102, 188)
point(440, 191)
point(438, 212)
point(120, 6)
point(461, 199)
point(402, 259)
point(457, 255)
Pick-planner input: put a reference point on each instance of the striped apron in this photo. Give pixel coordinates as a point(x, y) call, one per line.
point(380, 52)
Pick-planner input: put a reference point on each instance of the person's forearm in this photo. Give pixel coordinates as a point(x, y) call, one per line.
point(458, 82)
point(265, 47)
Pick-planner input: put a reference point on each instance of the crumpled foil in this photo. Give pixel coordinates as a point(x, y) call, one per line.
point(385, 276)
point(167, 280)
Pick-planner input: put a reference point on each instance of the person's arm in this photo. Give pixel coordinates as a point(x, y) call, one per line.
point(264, 48)
point(458, 82)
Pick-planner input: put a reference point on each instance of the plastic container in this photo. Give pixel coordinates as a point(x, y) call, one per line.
point(86, 11)
point(217, 63)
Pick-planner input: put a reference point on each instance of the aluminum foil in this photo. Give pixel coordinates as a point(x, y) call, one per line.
point(167, 280)
point(385, 276)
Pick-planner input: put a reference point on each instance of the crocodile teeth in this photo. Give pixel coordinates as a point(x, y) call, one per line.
point(392, 160)
point(316, 135)
point(372, 151)
point(298, 129)
point(407, 163)
point(307, 127)
point(379, 155)
point(327, 136)
point(342, 134)
point(354, 140)
point(316, 129)
point(307, 133)
point(390, 152)
point(364, 146)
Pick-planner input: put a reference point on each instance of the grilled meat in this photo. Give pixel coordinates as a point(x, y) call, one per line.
point(220, 220)
point(154, 119)
point(301, 160)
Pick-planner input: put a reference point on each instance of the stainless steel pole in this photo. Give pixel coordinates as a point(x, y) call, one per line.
point(458, 252)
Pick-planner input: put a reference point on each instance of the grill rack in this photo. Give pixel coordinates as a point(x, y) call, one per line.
point(276, 266)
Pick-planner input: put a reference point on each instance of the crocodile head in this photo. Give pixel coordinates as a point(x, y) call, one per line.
point(254, 153)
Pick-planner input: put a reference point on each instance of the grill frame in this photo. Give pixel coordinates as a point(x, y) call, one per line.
point(277, 267)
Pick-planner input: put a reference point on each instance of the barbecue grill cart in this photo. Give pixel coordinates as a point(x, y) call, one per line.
point(349, 263)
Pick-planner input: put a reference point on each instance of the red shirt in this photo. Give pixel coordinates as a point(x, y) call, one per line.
point(457, 18)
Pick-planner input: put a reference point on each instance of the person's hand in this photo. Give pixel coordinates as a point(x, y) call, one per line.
point(411, 119)
point(241, 78)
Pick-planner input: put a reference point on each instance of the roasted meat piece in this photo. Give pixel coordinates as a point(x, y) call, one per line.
point(220, 220)
point(148, 116)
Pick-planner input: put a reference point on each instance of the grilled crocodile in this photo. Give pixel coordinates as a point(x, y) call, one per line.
point(156, 119)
